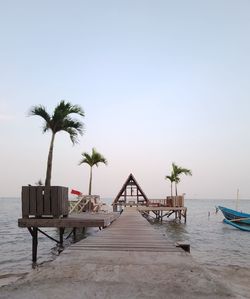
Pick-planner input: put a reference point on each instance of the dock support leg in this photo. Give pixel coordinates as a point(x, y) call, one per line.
point(74, 233)
point(61, 232)
point(34, 245)
point(34, 232)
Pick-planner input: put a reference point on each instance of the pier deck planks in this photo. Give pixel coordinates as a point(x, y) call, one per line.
point(130, 232)
point(74, 220)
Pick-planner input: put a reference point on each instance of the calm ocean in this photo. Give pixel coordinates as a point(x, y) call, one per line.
point(213, 243)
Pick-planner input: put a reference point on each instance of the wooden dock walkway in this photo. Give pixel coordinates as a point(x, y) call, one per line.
point(128, 259)
point(130, 232)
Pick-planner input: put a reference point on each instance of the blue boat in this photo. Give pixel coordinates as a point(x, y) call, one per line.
point(238, 217)
point(244, 227)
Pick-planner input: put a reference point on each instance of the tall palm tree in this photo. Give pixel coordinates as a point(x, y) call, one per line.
point(171, 178)
point(176, 172)
point(60, 120)
point(94, 159)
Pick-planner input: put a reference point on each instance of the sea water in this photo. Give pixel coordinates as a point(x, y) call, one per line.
point(213, 243)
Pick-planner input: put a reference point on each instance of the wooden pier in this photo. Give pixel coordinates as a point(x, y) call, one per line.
point(161, 211)
point(131, 232)
point(49, 207)
point(73, 221)
point(132, 195)
point(128, 259)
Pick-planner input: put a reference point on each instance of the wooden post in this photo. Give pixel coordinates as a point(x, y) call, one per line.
point(34, 233)
point(34, 245)
point(61, 232)
point(74, 233)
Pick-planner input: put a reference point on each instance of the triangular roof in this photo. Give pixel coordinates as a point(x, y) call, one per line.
point(130, 181)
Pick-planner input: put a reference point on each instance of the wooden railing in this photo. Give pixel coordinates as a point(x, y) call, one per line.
point(170, 201)
point(86, 203)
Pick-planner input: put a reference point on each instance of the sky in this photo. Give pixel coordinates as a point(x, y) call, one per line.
point(160, 82)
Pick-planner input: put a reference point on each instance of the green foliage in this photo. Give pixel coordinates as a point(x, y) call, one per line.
point(60, 120)
point(92, 160)
point(176, 170)
point(175, 175)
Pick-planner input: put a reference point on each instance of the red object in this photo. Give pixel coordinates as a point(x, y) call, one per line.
point(76, 192)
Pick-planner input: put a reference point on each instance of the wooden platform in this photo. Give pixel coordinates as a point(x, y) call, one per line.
point(74, 220)
point(160, 212)
point(131, 232)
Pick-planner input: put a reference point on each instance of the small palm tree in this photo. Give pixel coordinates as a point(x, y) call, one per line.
point(94, 159)
point(176, 172)
point(171, 178)
point(60, 120)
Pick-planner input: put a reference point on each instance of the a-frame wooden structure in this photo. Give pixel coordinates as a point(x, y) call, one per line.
point(130, 194)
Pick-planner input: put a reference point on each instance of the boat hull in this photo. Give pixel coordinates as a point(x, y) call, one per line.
point(244, 227)
point(237, 217)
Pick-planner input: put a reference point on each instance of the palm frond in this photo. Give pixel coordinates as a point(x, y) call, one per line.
point(76, 109)
point(170, 177)
point(186, 171)
point(94, 159)
point(61, 119)
point(63, 109)
point(73, 123)
point(177, 170)
point(73, 134)
point(177, 180)
point(41, 111)
point(98, 158)
point(86, 158)
point(73, 127)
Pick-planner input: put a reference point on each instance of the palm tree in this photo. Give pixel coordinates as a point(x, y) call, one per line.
point(176, 172)
point(60, 120)
point(171, 178)
point(94, 159)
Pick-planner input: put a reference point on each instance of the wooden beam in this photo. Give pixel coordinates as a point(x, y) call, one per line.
point(34, 232)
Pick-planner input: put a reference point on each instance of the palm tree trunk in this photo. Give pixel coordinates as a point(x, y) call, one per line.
point(171, 189)
point(90, 180)
point(176, 189)
point(49, 162)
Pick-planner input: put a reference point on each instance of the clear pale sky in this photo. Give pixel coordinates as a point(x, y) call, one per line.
point(159, 81)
